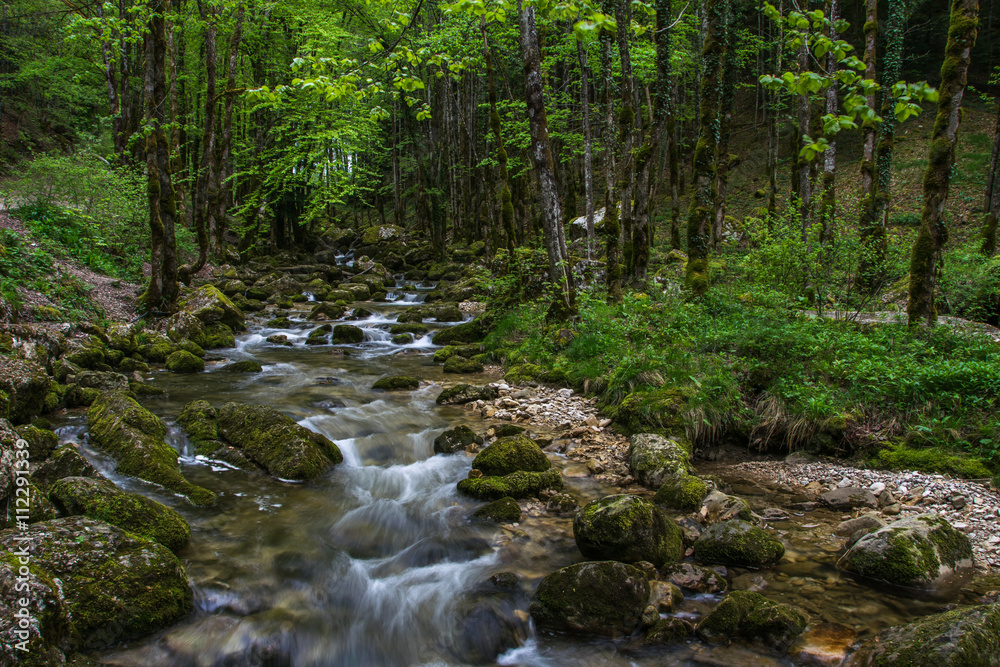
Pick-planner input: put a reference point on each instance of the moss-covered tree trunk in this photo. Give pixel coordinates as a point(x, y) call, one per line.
point(627, 117)
point(773, 135)
point(588, 162)
point(828, 200)
point(162, 290)
point(803, 167)
point(560, 272)
point(891, 71)
point(925, 257)
point(703, 198)
point(992, 206)
point(223, 170)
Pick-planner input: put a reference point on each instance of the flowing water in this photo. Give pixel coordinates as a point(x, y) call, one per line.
point(378, 563)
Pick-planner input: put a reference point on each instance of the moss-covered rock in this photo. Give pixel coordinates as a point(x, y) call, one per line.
point(412, 328)
point(658, 410)
point(627, 529)
point(192, 347)
point(753, 617)
point(243, 366)
point(101, 380)
point(682, 492)
point(695, 578)
point(185, 326)
point(183, 361)
point(653, 458)
point(122, 337)
point(133, 436)
point(131, 365)
point(519, 484)
point(113, 586)
point(668, 631)
point(402, 339)
point(275, 442)
point(449, 313)
point(456, 440)
point(603, 598)
point(510, 454)
point(738, 543)
point(65, 462)
point(503, 510)
point(41, 442)
point(457, 364)
point(25, 385)
point(155, 347)
point(48, 628)
point(916, 552)
point(718, 506)
point(358, 292)
point(86, 352)
point(958, 638)
point(466, 393)
point(327, 310)
point(396, 383)
point(144, 389)
point(279, 323)
point(210, 306)
point(101, 500)
point(347, 334)
point(218, 335)
point(469, 332)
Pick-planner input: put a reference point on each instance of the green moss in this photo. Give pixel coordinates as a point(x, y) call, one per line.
point(41, 442)
point(402, 339)
point(458, 364)
point(216, 336)
point(522, 373)
point(520, 484)
point(347, 334)
point(244, 366)
point(681, 492)
point(183, 361)
point(738, 543)
point(396, 383)
point(468, 332)
point(281, 322)
point(510, 454)
point(752, 616)
point(627, 529)
point(504, 510)
point(930, 459)
point(410, 328)
point(658, 410)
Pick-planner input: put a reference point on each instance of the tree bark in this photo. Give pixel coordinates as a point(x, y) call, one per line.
point(588, 164)
point(992, 205)
point(925, 258)
point(828, 201)
point(872, 235)
point(506, 205)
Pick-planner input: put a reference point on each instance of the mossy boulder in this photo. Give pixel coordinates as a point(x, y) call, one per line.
point(183, 361)
point(402, 339)
point(915, 552)
point(411, 328)
point(627, 529)
point(47, 632)
point(456, 440)
point(466, 393)
point(24, 385)
point(457, 364)
point(327, 310)
point(449, 313)
point(243, 366)
point(279, 323)
point(155, 347)
point(681, 492)
point(133, 436)
point(86, 352)
point(65, 462)
point(961, 637)
point(218, 335)
point(658, 410)
point(101, 500)
point(279, 339)
point(357, 291)
point(753, 617)
point(210, 306)
point(347, 334)
point(122, 337)
point(113, 586)
point(598, 598)
point(380, 234)
point(396, 383)
point(668, 631)
point(468, 332)
point(185, 326)
point(520, 484)
point(503, 510)
point(718, 506)
point(510, 454)
point(41, 442)
point(275, 442)
point(739, 544)
point(653, 458)
point(101, 380)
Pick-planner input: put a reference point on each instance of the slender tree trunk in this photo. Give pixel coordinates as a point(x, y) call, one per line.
point(627, 138)
point(992, 205)
point(729, 73)
point(925, 258)
point(224, 167)
point(588, 165)
point(872, 234)
point(828, 202)
point(803, 166)
point(611, 226)
point(506, 205)
point(554, 236)
point(702, 200)
point(891, 71)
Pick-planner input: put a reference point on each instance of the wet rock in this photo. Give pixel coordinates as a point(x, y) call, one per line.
point(449, 313)
point(561, 504)
point(412, 328)
point(185, 326)
point(457, 364)
point(347, 334)
point(504, 510)
point(183, 361)
point(867, 522)
point(41, 442)
point(520, 484)
point(847, 498)
point(664, 596)
point(826, 644)
point(738, 543)
point(600, 598)
point(326, 310)
point(23, 386)
point(65, 462)
point(753, 617)
point(718, 506)
point(210, 306)
point(101, 380)
point(695, 578)
point(963, 636)
point(488, 628)
point(456, 440)
point(627, 529)
point(509, 454)
point(668, 631)
point(100, 499)
point(749, 581)
point(279, 339)
point(682, 492)
point(916, 552)
point(653, 458)
point(466, 393)
point(243, 366)
point(113, 587)
point(396, 383)
point(469, 332)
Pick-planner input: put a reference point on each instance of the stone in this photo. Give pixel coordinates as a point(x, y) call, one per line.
point(682, 492)
point(503, 510)
point(456, 440)
point(101, 380)
point(668, 631)
point(65, 462)
point(664, 596)
point(396, 383)
point(915, 552)
point(520, 484)
point(847, 498)
point(627, 529)
point(347, 334)
point(243, 366)
point(210, 305)
point(695, 578)
point(467, 332)
point(597, 598)
point(867, 522)
point(753, 617)
point(738, 543)
point(458, 364)
point(718, 506)
point(510, 454)
point(653, 458)
point(825, 645)
point(466, 393)
point(41, 442)
point(23, 386)
point(183, 361)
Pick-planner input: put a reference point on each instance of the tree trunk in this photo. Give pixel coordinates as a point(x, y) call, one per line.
point(872, 234)
point(702, 200)
point(992, 206)
point(506, 205)
point(803, 166)
point(627, 136)
point(828, 201)
point(891, 71)
point(588, 164)
point(727, 99)
point(223, 168)
point(925, 257)
point(554, 236)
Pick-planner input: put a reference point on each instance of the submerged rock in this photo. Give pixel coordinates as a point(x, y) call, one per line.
point(134, 437)
point(915, 552)
point(598, 598)
point(738, 543)
point(653, 459)
point(396, 383)
point(753, 617)
point(627, 529)
point(504, 510)
point(456, 440)
point(243, 366)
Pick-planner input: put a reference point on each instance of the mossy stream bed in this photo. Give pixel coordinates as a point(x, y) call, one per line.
point(378, 562)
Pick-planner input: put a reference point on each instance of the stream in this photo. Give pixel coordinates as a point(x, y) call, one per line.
point(378, 563)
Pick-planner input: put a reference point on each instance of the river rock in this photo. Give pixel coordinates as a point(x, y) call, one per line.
point(667, 631)
point(510, 454)
point(396, 383)
point(868, 522)
point(599, 598)
point(347, 334)
point(41, 442)
point(466, 393)
point(183, 361)
point(210, 306)
point(627, 529)
point(134, 437)
point(275, 442)
point(695, 578)
point(101, 380)
point(100, 499)
point(653, 458)
point(682, 492)
point(112, 586)
point(718, 506)
point(915, 552)
point(847, 498)
point(504, 510)
point(456, 440)
point(458, 364)
point(243, 366)
point(23, 386)
point(958, 638)
point(520, 484)
point(826, 644)
point(65, 462)
point(738, 543)
point(753, 617)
